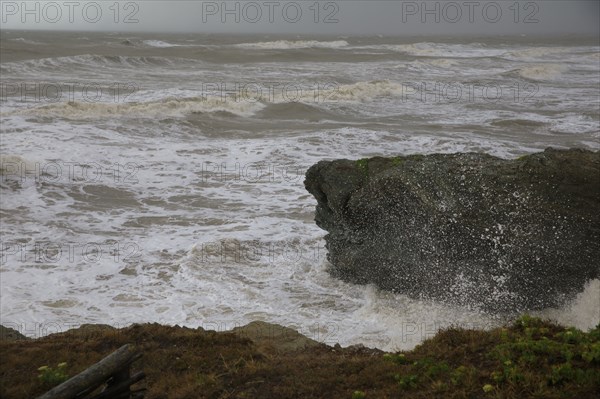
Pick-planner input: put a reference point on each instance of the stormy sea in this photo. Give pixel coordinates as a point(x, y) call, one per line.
point(159, 178)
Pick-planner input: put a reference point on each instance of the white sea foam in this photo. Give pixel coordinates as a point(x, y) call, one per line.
point(443, 63)
point(159, 44)
point(295, 44)
point(333, 93)
point(12, 165)
point(536, 53)
point(573, 123)
point(583, 312)
point(426, 49)
point(364, 91)
point(542, 72)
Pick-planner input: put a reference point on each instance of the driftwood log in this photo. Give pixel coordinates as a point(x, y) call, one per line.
point(113, 370)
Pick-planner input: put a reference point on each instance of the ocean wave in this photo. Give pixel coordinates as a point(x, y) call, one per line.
point(428, 49)
point(519, 123)
point(84, 60)
point(160, 44)
point(296, 111)
point(442, 62)
point(354, 92)
point(432, 64)
point(171, 105)
point(297, 44)
point(361, 91)
point(12, 164)
point(365, 90)
point(535, 53)
point(23, 40)
point(168, 107)
point(540, 72)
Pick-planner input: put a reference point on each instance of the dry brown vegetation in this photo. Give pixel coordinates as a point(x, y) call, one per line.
point(530, 359)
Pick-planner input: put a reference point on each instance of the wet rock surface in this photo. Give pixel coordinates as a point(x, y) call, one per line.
point(466, 228)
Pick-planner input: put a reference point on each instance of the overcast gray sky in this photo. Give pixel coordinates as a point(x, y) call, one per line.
point(342, 17)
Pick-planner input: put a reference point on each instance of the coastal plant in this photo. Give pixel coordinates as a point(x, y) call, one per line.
point(431, 373)
point(462, 375)
point(433, 369)
point(399, 358)
point(53, 376)
point(592, 353)
point(407, 381)
point(358, 395)
point(531, 355)
point(562, 354)
point(562, 373)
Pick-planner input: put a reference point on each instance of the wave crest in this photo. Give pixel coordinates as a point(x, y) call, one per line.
point(168, 107)
point(85, 60)
point(542, 71)
point(159, 44)
point(297, 44)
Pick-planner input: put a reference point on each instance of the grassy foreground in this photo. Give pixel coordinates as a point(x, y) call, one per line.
point(529, 359)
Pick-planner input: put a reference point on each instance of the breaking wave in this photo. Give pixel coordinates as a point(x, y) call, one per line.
point(542, 71)
point(8, 163)
point(536, 52)
point(333, 92)
point(168, 107)
point(297, 44)
point(23, 40)
point(160, 44)
point(426, 49)
point(85, 60)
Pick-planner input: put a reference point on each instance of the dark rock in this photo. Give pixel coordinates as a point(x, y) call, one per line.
point(469, 229)
point(10, 334)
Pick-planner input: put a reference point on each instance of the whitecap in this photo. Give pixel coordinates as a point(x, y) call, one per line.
point(540, 72)
point(298, 44)
point(167, 107)
point(159, 43)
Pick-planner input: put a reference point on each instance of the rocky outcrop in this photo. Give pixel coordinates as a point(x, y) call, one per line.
point(10, 334)
point(282, 339)
point(469, 228)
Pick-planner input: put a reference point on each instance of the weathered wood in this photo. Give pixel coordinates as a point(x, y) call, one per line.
point(113, 380)
point(94, 376)
point(113, 391)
